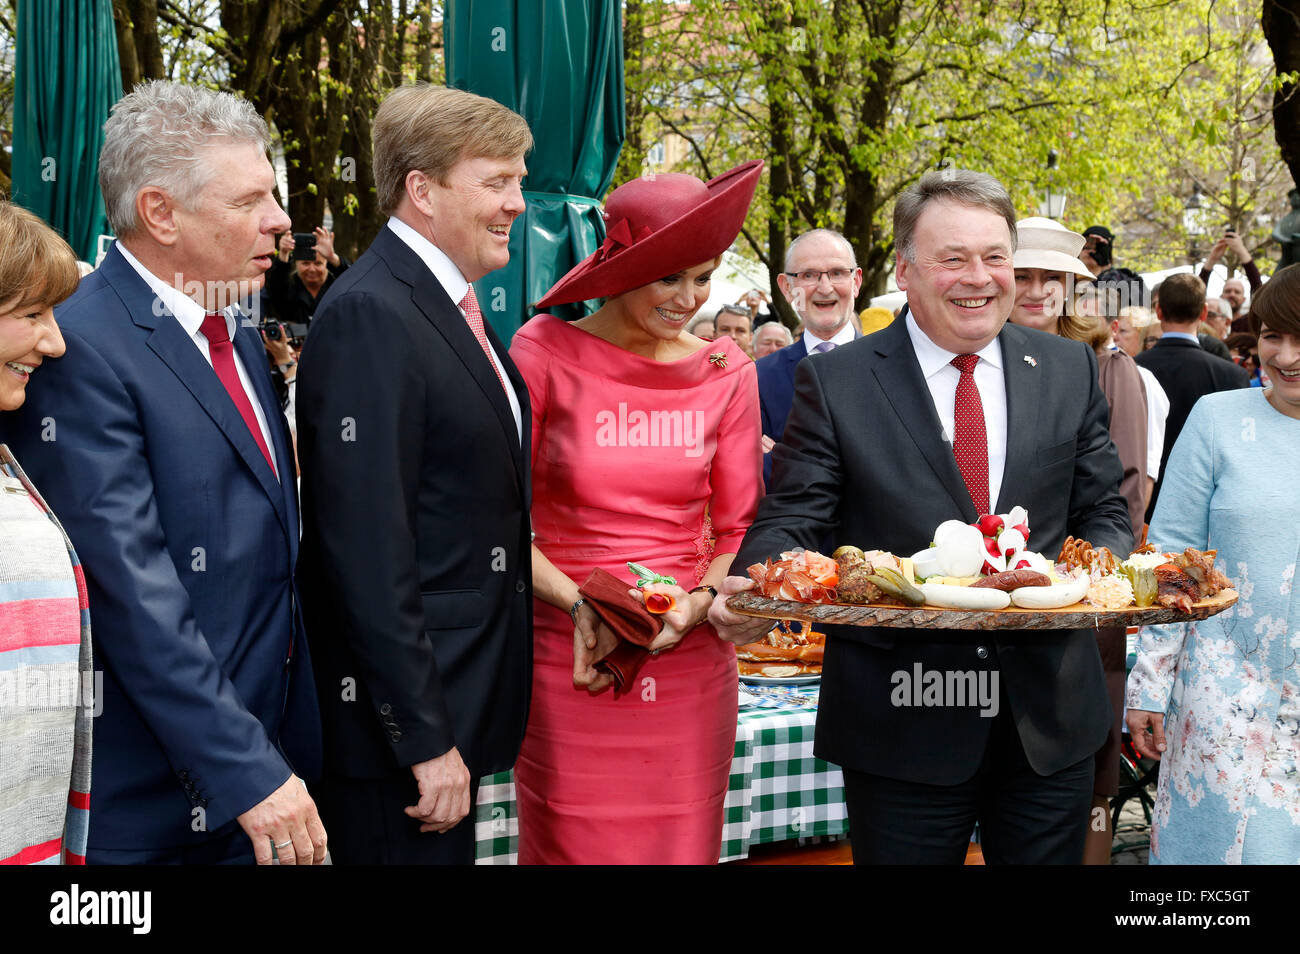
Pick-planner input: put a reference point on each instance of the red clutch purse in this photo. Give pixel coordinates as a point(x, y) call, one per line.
point(636, 627)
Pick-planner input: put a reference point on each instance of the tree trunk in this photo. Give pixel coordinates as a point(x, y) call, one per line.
point(138, 49)
point(1281, 22)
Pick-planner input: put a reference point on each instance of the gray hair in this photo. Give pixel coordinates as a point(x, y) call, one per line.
point(157, 136)
point(978, 189)
point(811, 233)
point(785, 332)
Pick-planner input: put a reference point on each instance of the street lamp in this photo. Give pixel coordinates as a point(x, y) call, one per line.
point(1192, 224)
point(1053, 205)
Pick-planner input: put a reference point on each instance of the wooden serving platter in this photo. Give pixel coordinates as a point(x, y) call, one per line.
point(1078, 616)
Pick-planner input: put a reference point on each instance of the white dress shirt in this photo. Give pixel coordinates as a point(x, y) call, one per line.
point(1157, 412)
point(942, 378)
point(841, 337)
point(190, 315)
point(455, 285)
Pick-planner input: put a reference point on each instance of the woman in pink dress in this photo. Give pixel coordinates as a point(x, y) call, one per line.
point(645, 449)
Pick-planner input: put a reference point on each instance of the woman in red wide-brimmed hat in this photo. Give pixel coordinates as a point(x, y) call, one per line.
point(645, 448)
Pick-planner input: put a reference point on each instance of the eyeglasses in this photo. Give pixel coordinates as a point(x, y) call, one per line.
point(811, 276)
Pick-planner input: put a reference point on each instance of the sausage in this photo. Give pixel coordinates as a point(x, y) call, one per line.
point(1013, 579)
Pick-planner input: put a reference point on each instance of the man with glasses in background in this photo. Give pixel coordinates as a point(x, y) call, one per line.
point(821, 281)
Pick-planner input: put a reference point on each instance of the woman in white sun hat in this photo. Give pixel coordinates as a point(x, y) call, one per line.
point(1047, 269)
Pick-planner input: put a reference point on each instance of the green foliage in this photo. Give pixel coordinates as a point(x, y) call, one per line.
point(850, 102)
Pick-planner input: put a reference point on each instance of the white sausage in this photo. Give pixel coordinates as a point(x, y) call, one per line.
point(1052, 597)
point(965, 597)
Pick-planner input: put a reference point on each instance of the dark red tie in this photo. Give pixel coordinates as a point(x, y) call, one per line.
point(970, 444)
point(223, 362)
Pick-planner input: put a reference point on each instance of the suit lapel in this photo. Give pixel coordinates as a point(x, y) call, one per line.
point(1024, 396)
point(432, 301)
point(249, 345)
point(899, 376)
point(168, 340)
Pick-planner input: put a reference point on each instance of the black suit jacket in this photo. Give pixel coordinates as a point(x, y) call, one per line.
point(864, 461)
point(1187, 373)
point(1212, 345)
point(415, 569)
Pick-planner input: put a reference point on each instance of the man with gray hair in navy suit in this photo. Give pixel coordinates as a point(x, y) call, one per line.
point(821, 281)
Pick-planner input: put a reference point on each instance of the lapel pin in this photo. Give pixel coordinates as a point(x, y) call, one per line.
point(1031, 361)
point(719, 358)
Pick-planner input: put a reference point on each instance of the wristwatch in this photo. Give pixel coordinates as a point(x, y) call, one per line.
point(712, 591)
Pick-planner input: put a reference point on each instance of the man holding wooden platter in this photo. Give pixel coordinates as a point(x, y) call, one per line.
point(952, 414)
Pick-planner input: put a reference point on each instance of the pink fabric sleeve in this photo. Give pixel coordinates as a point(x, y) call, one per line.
point(533, 363)
point(736, 478)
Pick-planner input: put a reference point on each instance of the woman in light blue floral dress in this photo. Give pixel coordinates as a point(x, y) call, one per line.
point(1221, 698)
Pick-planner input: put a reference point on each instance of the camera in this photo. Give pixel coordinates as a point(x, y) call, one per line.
point(271, 328)
point(304, 246)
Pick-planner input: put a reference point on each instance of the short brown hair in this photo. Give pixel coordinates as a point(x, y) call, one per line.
point(1277, 304)
point(1182, 298)
point(978, 189)
point(36, 265)
point(429, 129)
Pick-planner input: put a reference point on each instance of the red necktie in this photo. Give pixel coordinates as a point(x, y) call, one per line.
point(223, 362)
point(970, 443)
point(474, 317)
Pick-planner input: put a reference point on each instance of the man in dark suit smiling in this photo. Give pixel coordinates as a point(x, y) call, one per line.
point(821, 281)
point(938, 417)
point(413, 428)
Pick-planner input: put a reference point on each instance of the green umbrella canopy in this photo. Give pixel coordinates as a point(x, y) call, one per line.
point(66, 78)
point(559, 64)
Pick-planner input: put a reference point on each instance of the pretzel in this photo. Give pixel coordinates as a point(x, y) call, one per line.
point(1075, 553)
point(1079, 554)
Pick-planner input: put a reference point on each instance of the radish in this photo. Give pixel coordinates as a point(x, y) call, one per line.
point(1011, 541)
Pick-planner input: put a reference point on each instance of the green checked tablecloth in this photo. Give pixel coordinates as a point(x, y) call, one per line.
point(777, 792)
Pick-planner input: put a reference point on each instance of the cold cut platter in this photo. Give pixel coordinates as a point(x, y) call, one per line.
point(1078, 616)
point(983, 576)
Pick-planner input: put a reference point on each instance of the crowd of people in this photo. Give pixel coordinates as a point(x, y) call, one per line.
point(331, 568)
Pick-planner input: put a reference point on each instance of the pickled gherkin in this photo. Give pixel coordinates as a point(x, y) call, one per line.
point(1143, 579)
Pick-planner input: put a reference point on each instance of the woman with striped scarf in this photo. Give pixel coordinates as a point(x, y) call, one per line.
point(45, 658)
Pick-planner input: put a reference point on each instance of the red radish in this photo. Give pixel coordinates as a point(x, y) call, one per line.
point(990, 525)
point(991, 547)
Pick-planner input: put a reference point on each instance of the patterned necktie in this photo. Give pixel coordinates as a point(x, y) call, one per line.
point(970, 443)
point(474, 318)
point(222, 353)
point(824, 347)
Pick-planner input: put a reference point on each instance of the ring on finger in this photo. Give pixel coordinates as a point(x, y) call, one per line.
point(285, 844)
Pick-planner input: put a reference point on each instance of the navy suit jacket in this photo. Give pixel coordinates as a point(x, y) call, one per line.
point(864, 462)
point(776, 393)
point(188, 542)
